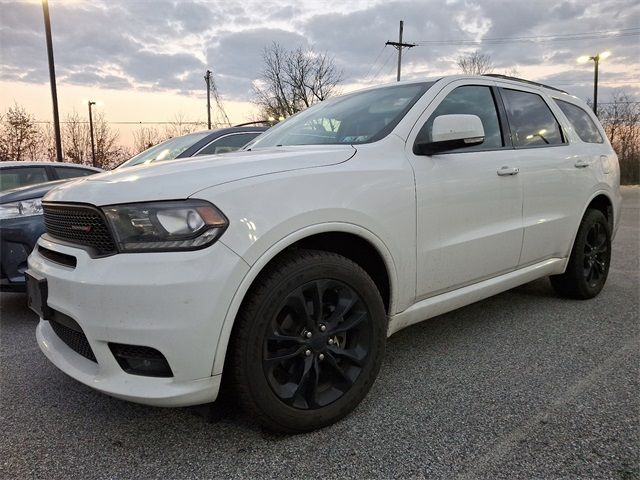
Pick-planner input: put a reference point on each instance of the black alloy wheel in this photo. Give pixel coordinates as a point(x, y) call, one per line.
point(317, 344)
point(596, 254)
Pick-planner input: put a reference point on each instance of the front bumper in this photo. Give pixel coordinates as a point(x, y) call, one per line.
point(173, 302)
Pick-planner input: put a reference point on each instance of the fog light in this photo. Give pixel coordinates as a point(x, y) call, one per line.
point(139, 360)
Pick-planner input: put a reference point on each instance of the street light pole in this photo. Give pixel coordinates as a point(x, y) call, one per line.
point(207, 80)
point(93, 145)
point(596, 60)
point(52, 80)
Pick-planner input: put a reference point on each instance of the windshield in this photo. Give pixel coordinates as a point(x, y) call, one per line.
point(167, 150)
point(360, 117)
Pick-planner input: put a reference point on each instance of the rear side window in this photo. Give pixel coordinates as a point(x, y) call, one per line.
point(228, 143)
point(581, 122)
point(70, 172)
point(531, 122)
point(21, 177)
point(468, 100)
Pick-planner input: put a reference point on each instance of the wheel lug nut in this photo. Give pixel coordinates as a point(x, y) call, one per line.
point(309, 335)
point(321, 356)
point(307, 353)
point(323, 328)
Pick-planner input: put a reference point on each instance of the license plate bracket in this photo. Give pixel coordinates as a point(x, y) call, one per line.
point(37, 293)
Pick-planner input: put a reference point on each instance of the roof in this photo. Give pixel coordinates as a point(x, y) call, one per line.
point(14, 163)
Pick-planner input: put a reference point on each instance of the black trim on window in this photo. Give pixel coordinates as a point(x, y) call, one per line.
point(503, 118)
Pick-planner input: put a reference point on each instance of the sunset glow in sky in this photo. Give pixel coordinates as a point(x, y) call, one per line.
point(145, 59)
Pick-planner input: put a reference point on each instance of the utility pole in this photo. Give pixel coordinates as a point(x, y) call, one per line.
point(399, 45)
point(52, 80)
point(207, 79)
point(93, 145)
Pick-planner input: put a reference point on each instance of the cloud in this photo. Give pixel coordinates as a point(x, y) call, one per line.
point(168, 44)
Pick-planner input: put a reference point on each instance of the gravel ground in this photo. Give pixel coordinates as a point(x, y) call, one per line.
point(522, 385)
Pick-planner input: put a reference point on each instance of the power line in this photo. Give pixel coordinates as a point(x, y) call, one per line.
point(382, 67)
point(537, 38)
point(374, 62)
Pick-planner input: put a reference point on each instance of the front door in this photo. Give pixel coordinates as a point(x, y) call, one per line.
point(469, 209)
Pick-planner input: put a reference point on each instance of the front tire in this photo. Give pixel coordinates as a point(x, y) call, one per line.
point(308, 342)
point(588, 265)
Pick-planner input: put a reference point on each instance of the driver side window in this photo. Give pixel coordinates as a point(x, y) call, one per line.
point(469, 100)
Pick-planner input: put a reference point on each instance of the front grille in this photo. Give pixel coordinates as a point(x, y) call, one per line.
point(75, 340)
point(79, 224)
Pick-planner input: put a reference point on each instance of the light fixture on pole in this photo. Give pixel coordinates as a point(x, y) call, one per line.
point(596, 59)
point(52, 79)
point(93, 146)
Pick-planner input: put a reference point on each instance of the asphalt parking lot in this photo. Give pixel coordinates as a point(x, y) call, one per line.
point(522, 385)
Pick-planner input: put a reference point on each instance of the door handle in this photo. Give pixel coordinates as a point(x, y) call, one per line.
point(505, 171)
point(581, 163)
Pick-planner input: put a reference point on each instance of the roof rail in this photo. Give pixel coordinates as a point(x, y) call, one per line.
point(522, 80)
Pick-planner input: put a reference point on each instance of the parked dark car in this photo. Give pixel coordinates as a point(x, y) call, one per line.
point(22, 174)
point(21, 224)
point(207, 142)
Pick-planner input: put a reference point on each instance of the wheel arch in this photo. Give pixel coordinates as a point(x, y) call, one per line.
point(600, 200)
point(342, 238)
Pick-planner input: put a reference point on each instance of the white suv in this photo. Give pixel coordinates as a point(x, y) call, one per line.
point(282, 268)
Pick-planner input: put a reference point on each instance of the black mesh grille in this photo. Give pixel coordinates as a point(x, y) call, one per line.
point(79, 224)
point(74, 339)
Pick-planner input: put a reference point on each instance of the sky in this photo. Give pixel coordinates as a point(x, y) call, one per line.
point(144, 60)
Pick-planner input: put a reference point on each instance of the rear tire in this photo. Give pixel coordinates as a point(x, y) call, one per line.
point(308, 342)
point(588, 265)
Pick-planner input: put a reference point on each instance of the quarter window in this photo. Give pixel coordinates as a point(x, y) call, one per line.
point(581, 122)
point(530, 119)
point(468, 100)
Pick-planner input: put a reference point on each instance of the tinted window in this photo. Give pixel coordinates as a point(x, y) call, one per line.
point(531, 122)
point(167, 150)
point(21, 177)
point(228, 143)
point(70, 172)
point(360, 117)
point(581, 122)
point(468, 100)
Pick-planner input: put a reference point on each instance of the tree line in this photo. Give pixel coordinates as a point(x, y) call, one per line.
point(291, 81)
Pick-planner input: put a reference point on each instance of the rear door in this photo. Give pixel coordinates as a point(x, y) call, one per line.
point(552, 197)
point(469, 214)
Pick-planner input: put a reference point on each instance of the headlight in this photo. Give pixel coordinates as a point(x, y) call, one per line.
point(165, 226)
point(25, 208)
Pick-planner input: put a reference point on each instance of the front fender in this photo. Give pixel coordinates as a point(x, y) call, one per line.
point(273, 251)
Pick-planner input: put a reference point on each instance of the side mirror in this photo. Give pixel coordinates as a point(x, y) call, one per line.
point(449, 132)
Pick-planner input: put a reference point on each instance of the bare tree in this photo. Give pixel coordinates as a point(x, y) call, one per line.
point(181, 125)
point(145, 137)
point(475, 63)
point(18, 135)
point(75, 138)
point(108, 152)
point(47, 143)
point(621, 121)
point(293, 80)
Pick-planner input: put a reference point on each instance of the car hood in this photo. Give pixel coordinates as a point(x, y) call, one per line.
point(178, 179)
